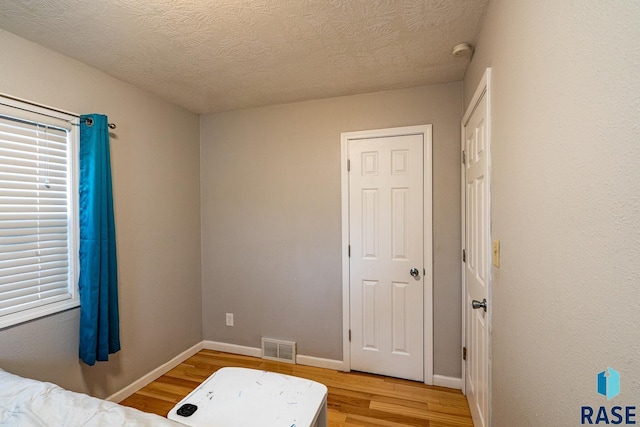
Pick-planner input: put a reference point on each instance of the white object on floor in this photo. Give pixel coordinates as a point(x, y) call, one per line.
point(240, 397)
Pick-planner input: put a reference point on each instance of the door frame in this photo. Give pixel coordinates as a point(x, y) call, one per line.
point(483, 88)
point(426, 132)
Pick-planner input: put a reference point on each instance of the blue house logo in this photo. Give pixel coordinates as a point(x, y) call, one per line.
point(609, 385)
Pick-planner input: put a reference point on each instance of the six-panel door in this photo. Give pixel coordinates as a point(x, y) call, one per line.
point(386, 236)
point(477, 262)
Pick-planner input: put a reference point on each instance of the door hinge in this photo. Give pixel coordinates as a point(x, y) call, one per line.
point(424, 271)
point(349, 250)
point(349, 335)
point(464, 255)
point(348, 165)
point(464, 353)
point(464, 157)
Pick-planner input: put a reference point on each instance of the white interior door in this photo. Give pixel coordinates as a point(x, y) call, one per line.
point(477, 265)
point(386, 222)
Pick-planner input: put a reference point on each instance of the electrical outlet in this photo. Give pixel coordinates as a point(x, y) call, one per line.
point(496, 253)
point(229, 319)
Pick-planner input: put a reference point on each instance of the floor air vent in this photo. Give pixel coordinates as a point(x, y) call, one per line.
point(282, 351)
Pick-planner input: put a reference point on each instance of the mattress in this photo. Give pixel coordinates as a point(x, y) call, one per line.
point(26, 402)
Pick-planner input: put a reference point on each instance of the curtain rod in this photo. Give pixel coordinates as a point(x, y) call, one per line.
point(89, 122)
point(111, 125)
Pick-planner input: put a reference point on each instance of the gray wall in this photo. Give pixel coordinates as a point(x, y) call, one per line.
point(565, 204)
point(157, 212)
point(271, 215)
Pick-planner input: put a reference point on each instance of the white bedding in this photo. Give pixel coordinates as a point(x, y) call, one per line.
point(25, 402)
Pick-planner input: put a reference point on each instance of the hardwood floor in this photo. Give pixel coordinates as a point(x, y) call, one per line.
point(355, 399)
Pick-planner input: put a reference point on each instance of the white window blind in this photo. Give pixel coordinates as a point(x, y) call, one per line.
point(38, 234)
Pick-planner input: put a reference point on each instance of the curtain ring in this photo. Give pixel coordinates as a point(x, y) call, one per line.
point(88, 121)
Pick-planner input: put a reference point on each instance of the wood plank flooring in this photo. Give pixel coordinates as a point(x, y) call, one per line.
point(355, 399)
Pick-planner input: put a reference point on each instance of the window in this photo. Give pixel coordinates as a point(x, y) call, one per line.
point(38, 214)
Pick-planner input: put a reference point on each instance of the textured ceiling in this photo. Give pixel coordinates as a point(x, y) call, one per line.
point(218, 55)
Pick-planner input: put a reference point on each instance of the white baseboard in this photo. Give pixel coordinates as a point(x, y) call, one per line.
point(449, 382)
point(319, 362)
point(232, 348)
point(119, 396)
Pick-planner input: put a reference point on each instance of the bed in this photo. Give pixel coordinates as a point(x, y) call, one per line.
point(26, 402)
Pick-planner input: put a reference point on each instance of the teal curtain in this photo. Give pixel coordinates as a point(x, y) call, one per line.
point(98, 283)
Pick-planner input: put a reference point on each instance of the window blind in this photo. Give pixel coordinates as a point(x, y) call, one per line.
point(36, 226)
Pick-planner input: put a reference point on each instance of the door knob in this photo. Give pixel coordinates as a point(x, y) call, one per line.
point(477, 304)
point(414, 272)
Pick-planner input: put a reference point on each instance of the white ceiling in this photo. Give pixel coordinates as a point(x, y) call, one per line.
point(218, 55)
